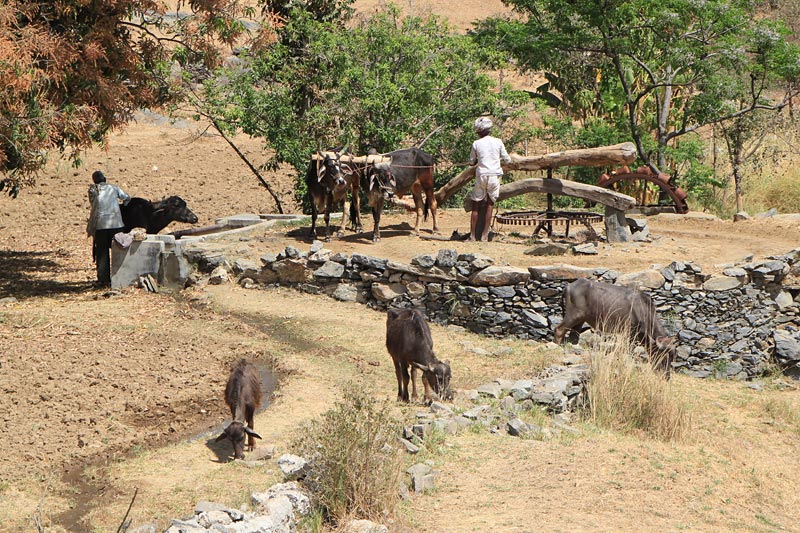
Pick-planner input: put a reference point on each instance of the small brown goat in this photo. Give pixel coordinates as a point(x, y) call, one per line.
point(243, 396)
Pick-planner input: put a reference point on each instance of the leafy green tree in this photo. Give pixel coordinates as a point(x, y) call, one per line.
point(382, 81)
point(668, 67)
point(72, 70)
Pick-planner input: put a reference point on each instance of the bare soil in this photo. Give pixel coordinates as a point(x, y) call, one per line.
point(103, 394)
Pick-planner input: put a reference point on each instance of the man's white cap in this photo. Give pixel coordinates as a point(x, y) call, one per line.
point(483, 124)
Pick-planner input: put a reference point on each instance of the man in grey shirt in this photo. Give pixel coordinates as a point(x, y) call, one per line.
point(105, 220)
point(487, 152)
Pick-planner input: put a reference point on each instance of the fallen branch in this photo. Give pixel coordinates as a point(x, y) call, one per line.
point(125, 524)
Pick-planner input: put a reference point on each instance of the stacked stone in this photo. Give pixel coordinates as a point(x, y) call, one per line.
point(724, 323)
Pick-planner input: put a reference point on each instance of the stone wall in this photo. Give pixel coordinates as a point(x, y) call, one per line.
point(729, 325)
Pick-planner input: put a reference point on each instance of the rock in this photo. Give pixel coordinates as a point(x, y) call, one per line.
point(205, 507)
point(446, 258)
point(268, 259)
point(441, 409)
point(645, 279)
point(496, 276)
point(617, 229)
point(588, 248)
point(246, 268)
point(722, 283)
point(787, 347)
point(208, 519)
point(517, 428)
point(740, 216)
point(424, 261)
point(293, 467)
point(369, 262)
point(321, 256)
point(261, 453)
point(477, 412)
point(550, 248)
point(8, 300)
point(219, 276)
point(292, 271)
point(298, 501)
point(422, 484)
point(534, 319)
point(388, 292)
point(345, 293)
point(364, 526)
point(767, 214)
point(419, 469)
point(316, 246)
point(415, 290)
point(506, 291)
point(489, 389)
point(330, 269)
point(560, 272)
point(409, 446)
point(735, 272)
point(185, 526)
point(784, 300)
point(292, 253)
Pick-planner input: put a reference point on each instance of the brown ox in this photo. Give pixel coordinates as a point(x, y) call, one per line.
point(243, 396)
point(613, 308)
point(328, 183)
point(411, 170)
point(409, 341)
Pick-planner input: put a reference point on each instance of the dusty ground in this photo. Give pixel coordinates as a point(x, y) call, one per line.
point(99, 395)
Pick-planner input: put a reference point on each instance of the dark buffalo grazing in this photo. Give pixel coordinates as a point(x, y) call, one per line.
point(155, 216)
point(243, 396)
point(409, 341)
point(328, 181)
point(410, 170)
point(614, 308)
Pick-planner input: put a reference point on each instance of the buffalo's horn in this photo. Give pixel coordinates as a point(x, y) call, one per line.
point(252, 433)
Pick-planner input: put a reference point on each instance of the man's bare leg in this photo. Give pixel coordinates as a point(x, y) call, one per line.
point(473, 219)
point(487, 221)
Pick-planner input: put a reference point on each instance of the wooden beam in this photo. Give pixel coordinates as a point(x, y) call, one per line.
point(350, 158)
point(575, 189)
point(618, 154)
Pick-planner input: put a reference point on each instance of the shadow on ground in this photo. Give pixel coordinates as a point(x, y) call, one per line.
point(25, 274)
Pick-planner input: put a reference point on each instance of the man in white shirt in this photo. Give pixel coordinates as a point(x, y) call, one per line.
point(105, 220)
point(487, 152)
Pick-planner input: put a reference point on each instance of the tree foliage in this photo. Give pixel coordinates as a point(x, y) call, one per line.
point(381, 81)
point(72, 70)
point(663, 69)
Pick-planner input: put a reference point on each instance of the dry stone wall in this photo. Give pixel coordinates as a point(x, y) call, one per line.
point(729, 325)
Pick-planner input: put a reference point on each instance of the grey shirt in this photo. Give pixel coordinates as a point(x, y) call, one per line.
point(105, 206)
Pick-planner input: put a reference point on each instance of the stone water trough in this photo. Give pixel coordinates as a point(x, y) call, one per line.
point(162, 256)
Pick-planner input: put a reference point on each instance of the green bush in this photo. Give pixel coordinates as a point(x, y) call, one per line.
point(356, 466)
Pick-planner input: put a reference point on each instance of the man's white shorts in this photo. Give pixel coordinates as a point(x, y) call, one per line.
point(486, 186)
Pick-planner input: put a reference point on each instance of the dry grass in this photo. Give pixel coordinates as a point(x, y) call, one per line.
point(355, 463)
point(626, 396)
point(781, 192)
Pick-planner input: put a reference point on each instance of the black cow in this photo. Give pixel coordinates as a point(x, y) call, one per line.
point(155, 216)
point(243, 396)
point(327, 185)
point(409, 342)
point(410, 170)
point(614, 308)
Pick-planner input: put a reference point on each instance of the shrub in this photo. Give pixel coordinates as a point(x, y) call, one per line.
point(626, 396)
point(355, 463)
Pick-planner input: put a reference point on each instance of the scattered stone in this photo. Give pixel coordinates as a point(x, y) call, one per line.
point(489, 389)
point(645, 279)
point(409, 446)
point(8, 300)
point(364, 526)
point(784, 300)
point(219, 276)
point(518, 428)
point(767, 214)
point(292, 271)
point(550, 248)
point(293, 467)
point(589, 248)
point(741, 216)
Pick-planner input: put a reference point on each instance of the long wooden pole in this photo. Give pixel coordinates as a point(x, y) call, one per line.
point(618, 154)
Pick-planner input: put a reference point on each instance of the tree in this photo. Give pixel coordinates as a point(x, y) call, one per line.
point(381, 82)
point(70, 71)
point(674, 65)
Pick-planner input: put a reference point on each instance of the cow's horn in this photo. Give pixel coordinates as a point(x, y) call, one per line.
point(420, 365)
